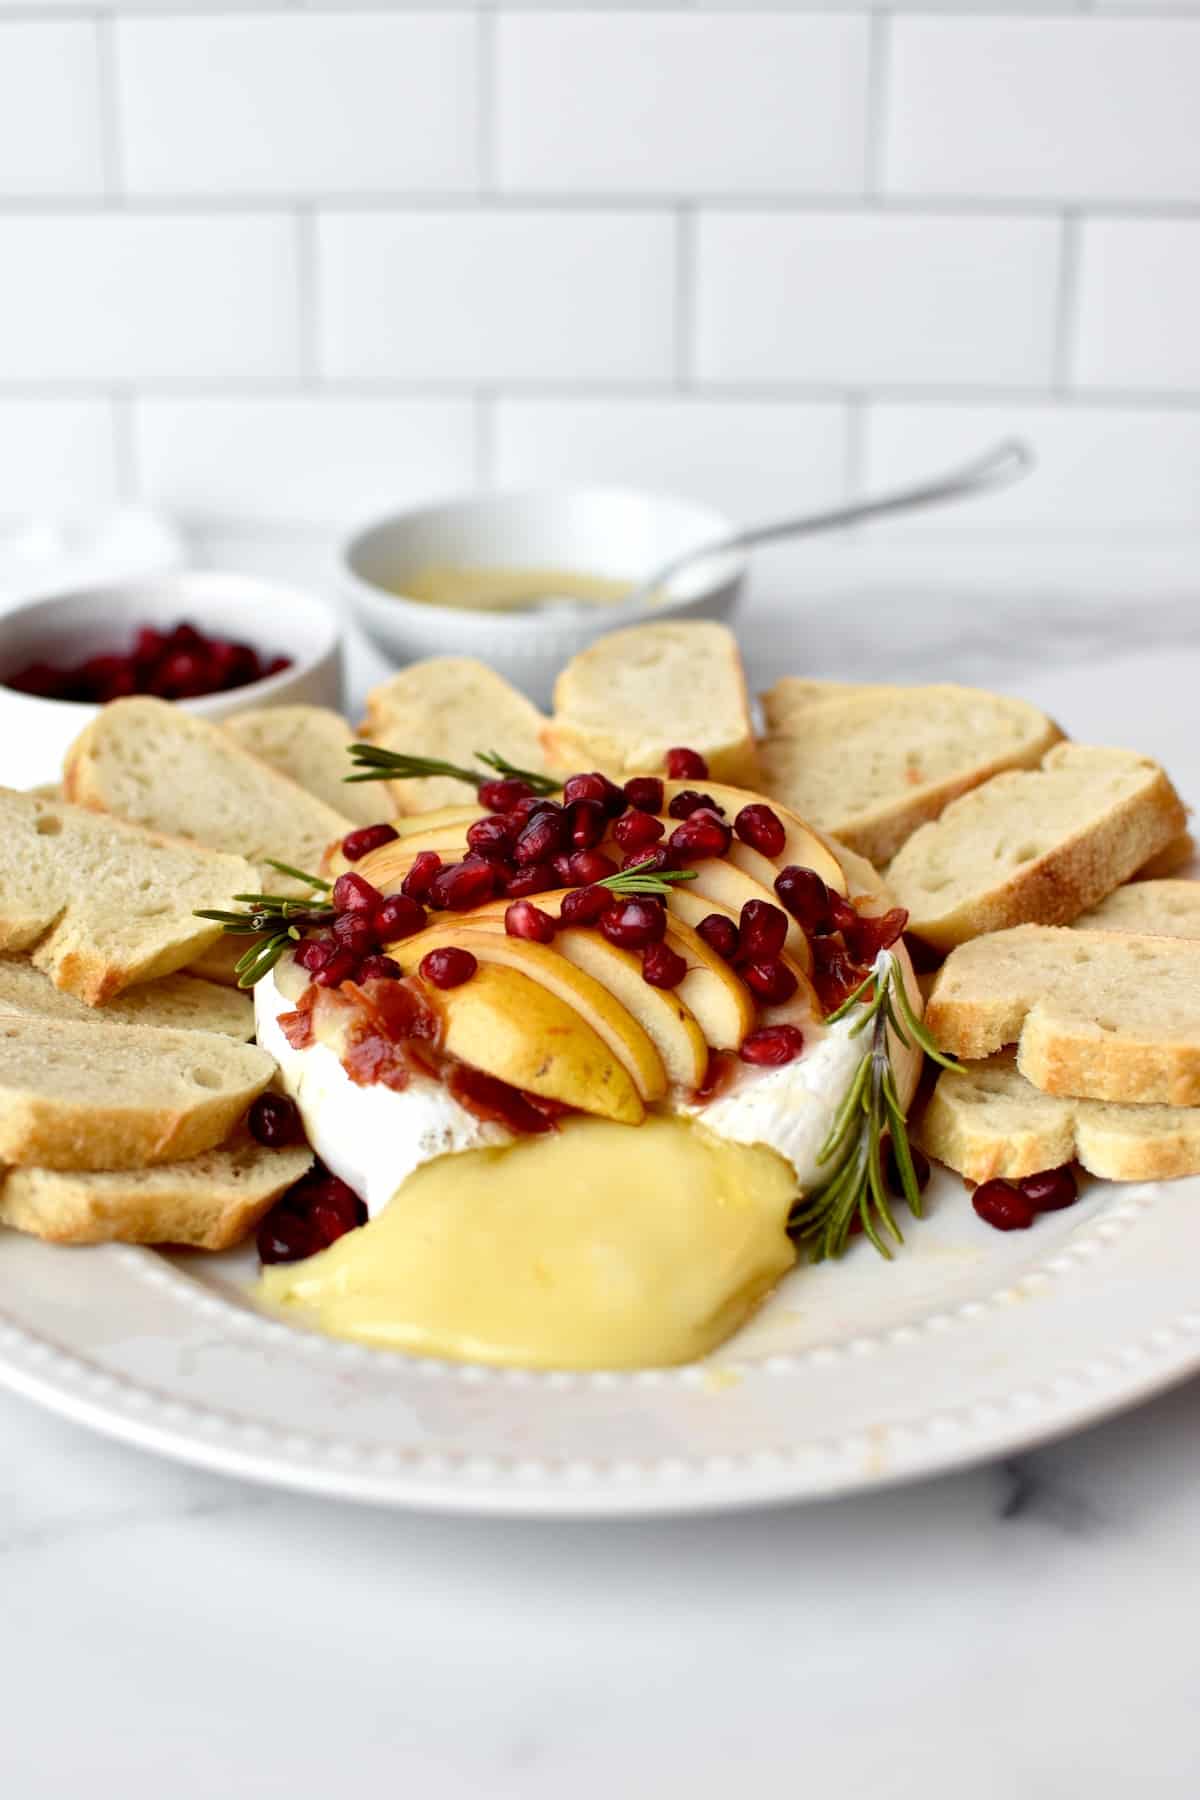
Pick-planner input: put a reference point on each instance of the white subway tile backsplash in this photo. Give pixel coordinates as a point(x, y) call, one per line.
point(307, 459)
point(50, 108)
point(1074, 108)
point(55, 453)
point(110, 297)
point(1100, 468)
point(1139, 304)
point(749, 458)
point(298, 104)
point(667, 103)
point(497, 296)
point(851, 299)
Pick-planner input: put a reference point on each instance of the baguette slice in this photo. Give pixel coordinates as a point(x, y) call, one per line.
point(450, 707)
point(100, 904)
point(987, 1120)
point(119, 1096)
point(168, 770)
point(621, 704)
point(1035, 846)
point(871, 764)
point(311, 745)
point(219, 961)
point(209, 1202)
point(178, 1002)
point(1179, 854)
point(1159, 908)
point(1100, 1015)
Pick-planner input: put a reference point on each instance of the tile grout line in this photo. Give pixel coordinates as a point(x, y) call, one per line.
point(879, 68)
point(485, 96)
point(126, 461)
point(1066, 306)
point(684, 311)
point(111, 161)
point(307, 304)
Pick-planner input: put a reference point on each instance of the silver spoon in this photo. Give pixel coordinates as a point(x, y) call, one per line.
point(1002, 465)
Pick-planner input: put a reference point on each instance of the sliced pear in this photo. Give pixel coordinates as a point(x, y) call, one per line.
point(487, 939)
point(386, 867)
point(802, 845)
point(438, 817)
point(669, 1023)
point(508, 1025)
point(723, 881)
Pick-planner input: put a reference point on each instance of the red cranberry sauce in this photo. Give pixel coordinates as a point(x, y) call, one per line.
point(180, 664)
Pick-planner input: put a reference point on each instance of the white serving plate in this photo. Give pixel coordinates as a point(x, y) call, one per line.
point(970, 1345)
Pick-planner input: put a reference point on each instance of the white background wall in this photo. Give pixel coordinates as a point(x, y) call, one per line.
point(286, 264)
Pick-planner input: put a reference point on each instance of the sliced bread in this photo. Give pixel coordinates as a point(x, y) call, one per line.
point(219, 961)
point(871, 764)
point(621, 704)
point(119, 1096)
point(1035, 846)
point(450, 707)
point(1160, 908)
point(100, 904)
point(1105, 1015)
point(1179, 854)
point(178, 1002)
point(311, 745)
point(209, 1202)
point(986, 1120)
point(152, 763)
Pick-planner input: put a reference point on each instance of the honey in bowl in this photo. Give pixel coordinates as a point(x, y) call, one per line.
point(473, 588)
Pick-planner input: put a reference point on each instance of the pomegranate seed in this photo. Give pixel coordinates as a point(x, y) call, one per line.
point(462, 885)
point(489, 1098)
point(357, 844)
point(865, 938)
point(490, 837)
point(1003, 1207)
point(686, 765)
point(274, 1121)
point(448, 968)
point(688, 801)
point(399, 917)
point(355, 932)
point(354, 893)
point(541, 837)
point(762, 931)
point(700, 835)
point(586, 787)
point(586, 824)
point(585, 866)
point(662, 967)
point(525, 920)
point(379, 968)
point(645, 792)
point(720, 934)
point(416, 883)
point(770, 979)
point(532, 803)
point(772, 1046)
point(835, 974)
point(762, 829)
point(338, 968)
point(633, 924)
point(637, 831)
point(653, 862)
point(499, 796)
point(584, 906)
point(891, 1169)
point(806, 897)
point(1051, 1189)
point(314, 953)
point(313, 1214)
point(537, 879)
point(842, 915)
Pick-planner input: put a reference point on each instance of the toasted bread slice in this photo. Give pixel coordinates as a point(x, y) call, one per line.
point(163, 768)
point(100, 904)
point(219, 961)
point(987, 1120)
point(450, 707)
point(1179, 854)
point(209, 1202)
point(178, 1002)
point(621, 704)
point(119, 1096)
point(1035, 846)
point(311, 745)
point(871, 764)
point(1102, 1015)
point(1159, 908)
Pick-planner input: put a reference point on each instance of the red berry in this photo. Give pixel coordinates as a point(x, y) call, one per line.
point(842, 915)
point(771, 980)
point(663, 967)
point(398, 917)
point(273, 1120)
point(700, 835)
point(499, 796)
point(653, 862)
point(339, 967)
point(585, 866)
point(538, 878)
point(866, 937)
point(586, 824)
point(720, 934)
point(835, 973)
point(1050, 1190)
point(688, 801)
point(379, 968)
point(425, 866)
point(524, 809)
point(354, 893)
point(491, 837)
point(584, 906)
point(637, 831)
point(313, 1214)
point(448, 968)
point(525, 920)
point(633, 923)
point(686, 765)
point(762, 829)
point(645, 792)
point(462, 885)
point(355, 931)
point(314, 953)
point(541, 837)
point(772, 1045)
point(586, 787)
point(357, 844)
point(762, 931)
point(1003, 1206)
point(806, 897)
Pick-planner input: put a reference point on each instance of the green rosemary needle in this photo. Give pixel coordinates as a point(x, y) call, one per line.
point(373, 763)
point(644, 878)
point(274, 921)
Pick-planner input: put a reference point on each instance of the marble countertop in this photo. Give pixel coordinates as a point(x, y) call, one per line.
point(1024, 1628)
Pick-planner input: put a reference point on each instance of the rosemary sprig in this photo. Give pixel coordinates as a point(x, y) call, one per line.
point(644, 878)
point(273, 922)
point(373, 763)
point(855, 1187)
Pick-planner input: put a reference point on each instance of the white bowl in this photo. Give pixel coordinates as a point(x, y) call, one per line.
point(66, 628)
point(594, 531)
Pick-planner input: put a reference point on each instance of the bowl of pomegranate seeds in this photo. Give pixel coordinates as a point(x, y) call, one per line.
point(215, 643)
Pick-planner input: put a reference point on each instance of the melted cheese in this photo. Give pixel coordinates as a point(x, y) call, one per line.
point(599, 1246)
